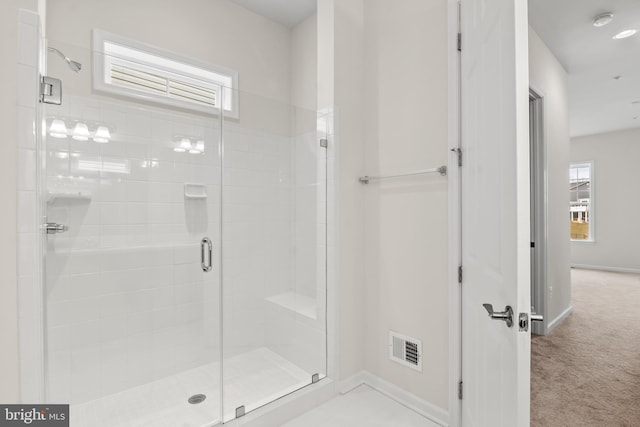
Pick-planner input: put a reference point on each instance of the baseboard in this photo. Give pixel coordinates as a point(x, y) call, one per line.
point(555, 322)
point(606, 268)
point(411, 401)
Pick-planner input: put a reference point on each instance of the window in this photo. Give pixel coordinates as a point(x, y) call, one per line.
point(129, 68)
point(581, 201)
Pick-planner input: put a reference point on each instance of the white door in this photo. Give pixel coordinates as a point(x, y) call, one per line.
point(495, 211)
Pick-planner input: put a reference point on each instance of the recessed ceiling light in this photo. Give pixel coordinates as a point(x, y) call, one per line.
point(624, 34)
point(602, 19)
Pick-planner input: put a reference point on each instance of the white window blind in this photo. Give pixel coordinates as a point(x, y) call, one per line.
point(129, 68)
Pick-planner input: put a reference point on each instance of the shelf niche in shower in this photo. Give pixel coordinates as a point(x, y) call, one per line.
point(195, 191)
point(68, 196)
point(298, 303)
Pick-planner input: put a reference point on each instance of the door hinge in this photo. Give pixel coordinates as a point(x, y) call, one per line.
point(460, 274)
point(50, 90)
point(458, 151)
point(460, 390)
point(324, 143)
point(459, 42)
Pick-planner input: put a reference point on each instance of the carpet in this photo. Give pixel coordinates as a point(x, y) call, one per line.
point(586, 372)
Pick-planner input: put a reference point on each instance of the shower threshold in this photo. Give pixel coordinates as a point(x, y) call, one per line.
point(252, 379)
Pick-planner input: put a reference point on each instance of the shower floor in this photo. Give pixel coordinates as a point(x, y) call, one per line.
point(251, 379)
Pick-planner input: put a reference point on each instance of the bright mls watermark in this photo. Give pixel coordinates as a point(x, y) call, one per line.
point(34, 415)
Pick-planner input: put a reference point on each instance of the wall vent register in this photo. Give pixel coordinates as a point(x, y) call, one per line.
point(129, 68)
point(405, 350)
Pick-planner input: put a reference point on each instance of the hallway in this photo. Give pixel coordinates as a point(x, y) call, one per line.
point(586, 372)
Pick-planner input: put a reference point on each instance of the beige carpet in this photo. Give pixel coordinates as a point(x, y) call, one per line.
point(587, 371)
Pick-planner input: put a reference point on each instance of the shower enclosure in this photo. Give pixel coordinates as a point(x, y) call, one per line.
point(184, 258)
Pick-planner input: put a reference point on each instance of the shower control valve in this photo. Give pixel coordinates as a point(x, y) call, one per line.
point(54, 228)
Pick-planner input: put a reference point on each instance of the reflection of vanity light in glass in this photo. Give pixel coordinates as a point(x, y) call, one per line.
point(625, 34)
point(102, 135)
point(58, 129)
point(184, 145)
point(80, 132)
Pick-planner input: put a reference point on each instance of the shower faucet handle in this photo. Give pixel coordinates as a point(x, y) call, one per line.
point(55, 228)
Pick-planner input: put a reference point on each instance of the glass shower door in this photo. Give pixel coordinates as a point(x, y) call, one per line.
point(132, 319)
point(274, 253)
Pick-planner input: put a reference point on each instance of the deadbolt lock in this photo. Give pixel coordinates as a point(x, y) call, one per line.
point(523, 322)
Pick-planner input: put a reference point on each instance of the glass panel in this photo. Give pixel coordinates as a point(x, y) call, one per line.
point(274, 253)
point(132, 320)
point(580, 201)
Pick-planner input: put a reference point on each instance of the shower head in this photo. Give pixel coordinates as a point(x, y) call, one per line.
point(74, 65)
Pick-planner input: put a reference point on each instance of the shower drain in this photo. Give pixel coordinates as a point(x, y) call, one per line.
point(197, 398)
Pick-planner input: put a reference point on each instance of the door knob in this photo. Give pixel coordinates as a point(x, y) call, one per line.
point(537, 317)
point(506, 315)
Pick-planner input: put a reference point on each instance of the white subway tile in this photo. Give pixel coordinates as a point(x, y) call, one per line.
point(27, 255)
point(111, 190)
point(27, 169)
point(27, 212)
point(85, 309)
point(26, 128)
point(140, 169)
point(27, 86)
point(139, 323)
point(84, 263)
point(139, 301)
point(163, 297)
point(113, 213)
point(161, 276)
point(137, 213)
point(28, 17)
point(163, 318)
point(186, 254)
point(160, 192)
point(137, 191)
point(85, 335)
point(59, 339)
point(114, 307)
point(189, 293)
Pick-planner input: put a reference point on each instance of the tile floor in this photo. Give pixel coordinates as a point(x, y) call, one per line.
point(361, 407)
point(251, 379)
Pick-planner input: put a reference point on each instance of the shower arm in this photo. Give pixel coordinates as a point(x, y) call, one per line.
point(74, 65)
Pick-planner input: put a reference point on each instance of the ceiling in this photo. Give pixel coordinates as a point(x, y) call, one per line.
point(598, 102)
point(287, 12)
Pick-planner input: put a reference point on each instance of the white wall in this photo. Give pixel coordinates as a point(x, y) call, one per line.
point(616, 201)
point(406, 219)
point(213, 31)
point(340, 86)
point(547, 76)
point(304, 64)
point(9, 367)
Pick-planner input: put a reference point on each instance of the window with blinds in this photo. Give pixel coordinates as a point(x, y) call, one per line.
point(129, 68)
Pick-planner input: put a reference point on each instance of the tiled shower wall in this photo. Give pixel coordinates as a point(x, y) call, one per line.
point(29, 295)
point(125, 299)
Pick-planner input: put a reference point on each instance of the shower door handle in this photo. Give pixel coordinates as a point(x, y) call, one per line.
point(206, 265)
